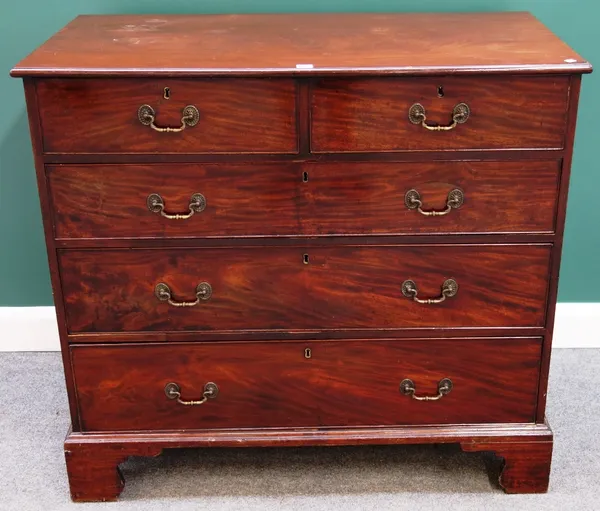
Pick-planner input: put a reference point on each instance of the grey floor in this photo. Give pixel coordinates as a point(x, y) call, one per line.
point(34, 419)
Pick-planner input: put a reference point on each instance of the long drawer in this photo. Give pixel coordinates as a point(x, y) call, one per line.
point(120, 116)
point(348, 287)
point(306, 383)
point(189, 200)
point(485, 112)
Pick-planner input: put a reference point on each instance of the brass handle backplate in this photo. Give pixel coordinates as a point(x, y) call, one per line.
point(211, 391)
point(449, 289)
point(460, 115)
point(407, 387)
point(455, 200)
point(156, 204)
point(189, 117)
point(163, 292)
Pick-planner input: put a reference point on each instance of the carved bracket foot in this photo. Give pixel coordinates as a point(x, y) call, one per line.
point(93, 469)
point(93, 459)
point(526, 464)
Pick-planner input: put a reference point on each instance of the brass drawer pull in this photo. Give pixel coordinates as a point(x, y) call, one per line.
point(189, 117)
point(460, 114)
point(407, 387)
point(156, 204)
point(163, 292)
point(449, 289)
point(211, 391)
point(455, 200)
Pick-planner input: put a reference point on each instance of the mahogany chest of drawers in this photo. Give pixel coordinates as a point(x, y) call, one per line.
point(304, 230)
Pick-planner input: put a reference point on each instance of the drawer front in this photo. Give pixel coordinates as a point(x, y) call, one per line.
point(372, 114)
point(272, 384)
point(111, 201)
point(104, 201)
point(373, 198)
point(274, 288)
point(101, 116)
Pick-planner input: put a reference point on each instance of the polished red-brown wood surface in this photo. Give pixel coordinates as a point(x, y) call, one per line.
point(272, 288)
point(371, 114)
point(344, 383)
point(98, 201)
point(93, 458)
point(246, 115)
point(368, 198)
point(35, 131)
point(304, 152)
point(188, 45)
point(526, 464)
point(109, 201)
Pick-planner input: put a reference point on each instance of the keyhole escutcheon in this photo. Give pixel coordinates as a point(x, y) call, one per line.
point(305, 259)
point(305, 177)
point(307, 353)
point(167, 93)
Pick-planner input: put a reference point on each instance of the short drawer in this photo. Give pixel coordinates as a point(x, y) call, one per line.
point(104, 116)
point(504, 112)
point(283, 288)
point(274, 384)
point(293, 199)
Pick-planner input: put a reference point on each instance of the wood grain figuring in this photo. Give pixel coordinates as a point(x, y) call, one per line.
point(345, 288)
point(368, 198)
point(250, 115)
point(371, 114)
point(304, 152)
point(345, 383)
point(274, 44)
point(110, 201)
point(268, 199)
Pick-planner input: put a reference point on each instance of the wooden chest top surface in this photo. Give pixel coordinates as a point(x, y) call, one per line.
point(255, 44)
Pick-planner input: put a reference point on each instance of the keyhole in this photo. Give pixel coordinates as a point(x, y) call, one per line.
point(305, 177)
point(167, 93)
point(307, 353)
point(440, 91)
point(305, 258)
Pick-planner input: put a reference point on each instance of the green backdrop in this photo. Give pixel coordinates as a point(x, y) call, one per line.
point(24, 24)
